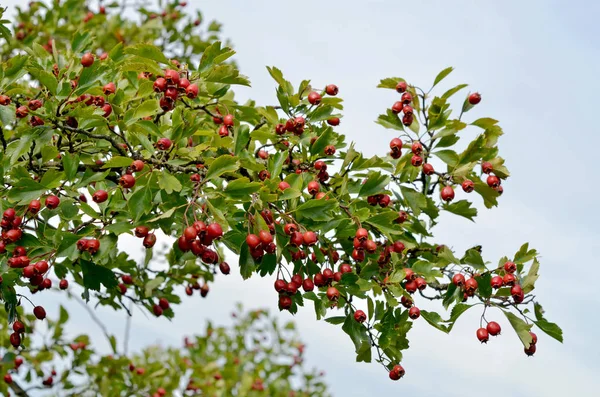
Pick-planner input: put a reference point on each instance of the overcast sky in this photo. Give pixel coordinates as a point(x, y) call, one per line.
point(535, 64)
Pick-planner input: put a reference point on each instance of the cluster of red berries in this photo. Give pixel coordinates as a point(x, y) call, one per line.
point(403, 105)
point(362, 244)
point(227, 122)
point(171, 86)
point(383, 200)
point(198, 237)
point(90, 245)
point(296, 125)
point(492, 180)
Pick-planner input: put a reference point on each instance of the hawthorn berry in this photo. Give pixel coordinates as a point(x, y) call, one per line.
point(401, 87)
point(493, 328)
point(87, 60)
point(447, 193)
point(474, 98)
point(468, 186)
point(483, 335)
point(360, 316)
point(314, 98)
point(331, 89)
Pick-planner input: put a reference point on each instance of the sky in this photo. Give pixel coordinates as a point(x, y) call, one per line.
point(535, 64)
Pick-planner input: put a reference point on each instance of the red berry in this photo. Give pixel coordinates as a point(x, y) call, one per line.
point(447, 193)
point(41, 267)
point(331, 89)
point(127, 181)
point(334, 121)
point(471, 286)
point(397, 372)
point(34, 206)
point(313, 187)
point(493, 328)
point(15, 340)
point(474, 98)
point(482, 335)
point(468, 186)
point(100, 196)
point(493, 181)
point(309, 238)
point(214, 231)
point(496, 282)
point(487, 167)
point(285, 302)
point(509, 279)
point(414, 313)
point(333, 294)
point(510, 267)
point(141, 231)
point(308, 285)
point(87, 60)
point(39, 312)
point(530, 351)
point(163, 144)
point(280, 285)
point(109, 89)
point(416, 161)
point(164, 303)
point(401, 86)
point(8, 378)
point(63, 284)
point(360, 316)
point(224, 268)
point(149, 240)
point(172, 77)
point(18, 327)
point(52, 202)
point(516, 290)
point(458, 280)
point(265, 237)
point(283, 185)
point(160, 85)
point(411, 287)
point(157, 310)
point(314, 98)
point(406, 98)
point(428, 169)
point(228, 120)
point(397, 107)
point(407, 110)
point(533, 338)
point(253, 241)
point(362, 234)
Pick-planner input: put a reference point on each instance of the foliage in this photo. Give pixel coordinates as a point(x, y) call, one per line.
point(275, 184)
point(254, 356)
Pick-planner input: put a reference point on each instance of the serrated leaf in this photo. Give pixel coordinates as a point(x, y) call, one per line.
point(118, 161)
point(551, 329)
point(521, 328)
point(375, 183)
point(148, 107)
point(147, 51)
point(415, 200)
point(96, 275)
point(462, 208)
point(434, 320)
point(221, 165)
point(169, 183)
point(528, 282)
point(242, 188)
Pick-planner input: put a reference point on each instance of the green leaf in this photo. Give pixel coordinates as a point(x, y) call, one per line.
point(453, 90)
point(152, 285)
point(336, 320)
point(246, 262)
point(96, 275)
point(46, 79)
point(70, 164)
point(317, 210)
point(484, 283)
point(385, 222)
point(148, 107)
point(376, 182)
point(457, 310)
point(473, 257)
point(169, 183)
point(485, 122)
point(221, 165)
point(521, 328)
point(80, 41)
point(415, 200)
point(322, 141)
point(447, 156)
point(49, 153)
point(242, 137)
point(462, 208)
point(118, 162)
point(441, 75)
point(356, 331)
point(140, 203)
point(390, 82)
point(549, 328)
point(434, 320)
point(528, 282)
point(524, 254)
point(242, 188)
point(147, 51)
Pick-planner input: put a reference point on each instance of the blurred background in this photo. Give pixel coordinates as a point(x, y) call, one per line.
point(536, 66)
